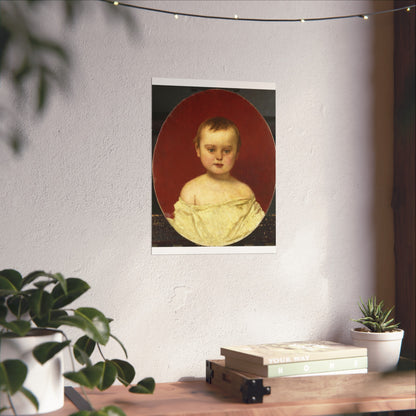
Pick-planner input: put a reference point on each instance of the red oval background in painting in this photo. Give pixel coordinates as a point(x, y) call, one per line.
point(175, 161)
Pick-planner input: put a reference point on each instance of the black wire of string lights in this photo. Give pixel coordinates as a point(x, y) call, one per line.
point(364, 16)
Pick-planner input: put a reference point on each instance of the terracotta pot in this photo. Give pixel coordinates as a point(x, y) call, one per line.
point(44, 381)
point(383, 348)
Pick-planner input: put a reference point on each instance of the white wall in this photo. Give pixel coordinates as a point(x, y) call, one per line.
point(79, 198)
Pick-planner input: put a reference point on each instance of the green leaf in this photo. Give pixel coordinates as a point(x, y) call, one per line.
point(18, 327)
point(12, 375)
point(88, 376)
point(110, 411)
point(388, 313)
point(7, 287)
point(18, 305)
point(52, 46)
point(30, 396)
point(83, 413)
point(45, 351)
point(82, 357)
point(40, 304)
point(31, 277)
point(3, 312)
point(98, 328)
point(105, 411)
point(125, 371)
point(108, 374)
point(53, 278)
point(145, 386)
point(75, 321)
point(83, 348)
point(62, 281)
point(16, 138)
point(55, 316)
point(43, 89)
point(75, 288)
point(92, 322)
point(13, 276)
point(43, 284)
point(70, 11)
point(20, 73)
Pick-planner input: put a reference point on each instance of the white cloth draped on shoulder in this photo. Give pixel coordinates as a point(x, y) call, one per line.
point(217, 224)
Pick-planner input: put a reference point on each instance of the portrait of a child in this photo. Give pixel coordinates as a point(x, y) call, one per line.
point(215, 208)
point(213, 168)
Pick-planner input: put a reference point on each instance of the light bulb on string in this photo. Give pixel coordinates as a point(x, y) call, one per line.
point(248, 19)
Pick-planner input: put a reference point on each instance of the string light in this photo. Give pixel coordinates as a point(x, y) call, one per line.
point(248, 19)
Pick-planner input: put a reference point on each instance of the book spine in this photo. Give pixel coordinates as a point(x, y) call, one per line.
point(312, 367)
point(309, 367)
point(333, 373)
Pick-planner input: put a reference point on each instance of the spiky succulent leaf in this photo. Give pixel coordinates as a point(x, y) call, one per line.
point(375, 318)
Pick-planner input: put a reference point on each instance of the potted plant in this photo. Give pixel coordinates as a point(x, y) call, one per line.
point(380, 335)
point(34, 310)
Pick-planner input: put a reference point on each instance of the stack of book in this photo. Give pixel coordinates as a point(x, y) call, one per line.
point(296, 359)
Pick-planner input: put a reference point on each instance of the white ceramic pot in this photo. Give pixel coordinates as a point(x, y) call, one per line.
point(44, 381)
point(383, 348)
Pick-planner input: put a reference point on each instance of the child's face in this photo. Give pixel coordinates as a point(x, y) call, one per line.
point(217, 150)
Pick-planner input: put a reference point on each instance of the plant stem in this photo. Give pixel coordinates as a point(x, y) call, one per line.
point(9, 398)
point(19, 310)
point(73, 369)
point(101, 353)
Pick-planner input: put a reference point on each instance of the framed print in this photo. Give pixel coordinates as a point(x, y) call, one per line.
point(213, 167)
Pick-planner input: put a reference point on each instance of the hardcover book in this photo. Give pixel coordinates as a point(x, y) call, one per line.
point(330, 373)
point(345, 365)
point(292, 352)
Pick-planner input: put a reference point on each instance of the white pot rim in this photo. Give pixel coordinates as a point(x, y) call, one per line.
point(377, 336)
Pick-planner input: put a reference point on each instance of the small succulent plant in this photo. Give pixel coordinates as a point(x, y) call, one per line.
point(375, 317)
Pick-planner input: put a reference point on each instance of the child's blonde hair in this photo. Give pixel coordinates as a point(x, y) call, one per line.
point(217, 123)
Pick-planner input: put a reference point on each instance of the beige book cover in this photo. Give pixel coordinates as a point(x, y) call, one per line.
point(289, 352)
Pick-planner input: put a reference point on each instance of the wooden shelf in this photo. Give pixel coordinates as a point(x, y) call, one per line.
point(293, 396)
